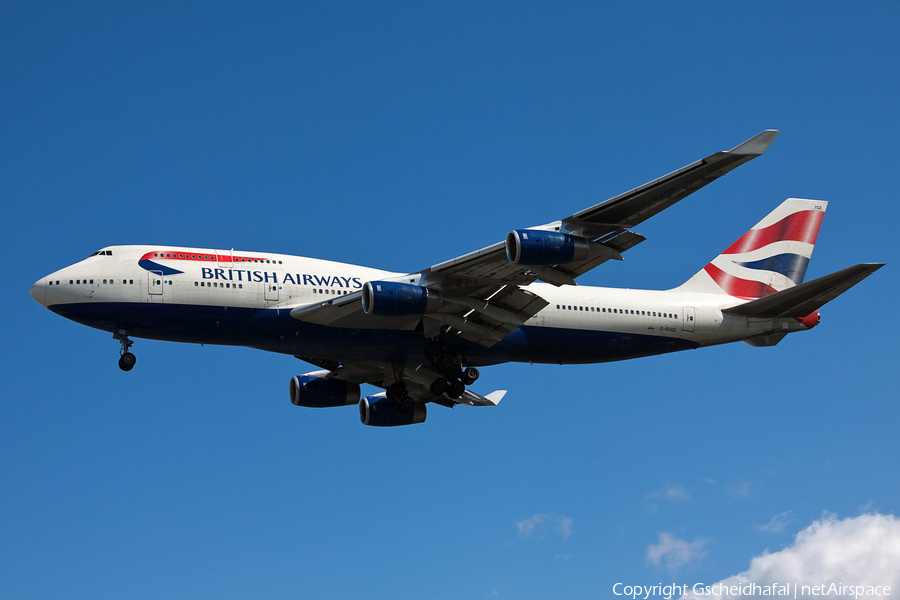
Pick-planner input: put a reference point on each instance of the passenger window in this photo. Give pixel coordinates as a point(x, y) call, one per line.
point(131, 281)
point(240, 286)
point(196, 284)
point(92, 282)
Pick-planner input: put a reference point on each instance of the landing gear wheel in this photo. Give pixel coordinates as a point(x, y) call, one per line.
point(456, 389)
point(445, 362)
point(126, 361)
point(126, 358)
point(433, 350)
point(397, 392)
point(439, 386)
point(470, 376)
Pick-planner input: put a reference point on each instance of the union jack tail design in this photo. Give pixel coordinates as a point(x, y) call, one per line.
point(771, 257)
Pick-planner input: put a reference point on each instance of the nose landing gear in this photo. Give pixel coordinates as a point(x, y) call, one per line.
point(126, 358)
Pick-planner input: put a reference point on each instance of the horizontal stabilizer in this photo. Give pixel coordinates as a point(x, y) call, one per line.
point(803, 299)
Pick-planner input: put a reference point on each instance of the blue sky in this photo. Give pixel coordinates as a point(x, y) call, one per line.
point(398, 135)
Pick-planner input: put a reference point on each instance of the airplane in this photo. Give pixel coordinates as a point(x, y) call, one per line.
point(422, 336)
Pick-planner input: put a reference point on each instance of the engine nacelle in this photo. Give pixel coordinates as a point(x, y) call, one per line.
point(539, 247)
point(392, 299)
point(380, 411)
point(313, 390)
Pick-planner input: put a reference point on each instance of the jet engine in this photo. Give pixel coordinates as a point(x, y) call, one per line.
point(314, 390)
point(391, 299)
point(540, 248)
point(380, 411)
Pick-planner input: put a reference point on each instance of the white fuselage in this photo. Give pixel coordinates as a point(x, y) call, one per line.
point(185, 294)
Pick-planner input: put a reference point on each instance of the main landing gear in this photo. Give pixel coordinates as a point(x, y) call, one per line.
point(454, 378)
point(126, 358)
point(398, 393)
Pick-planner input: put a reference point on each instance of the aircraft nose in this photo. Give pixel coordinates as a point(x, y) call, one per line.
point(38, 291)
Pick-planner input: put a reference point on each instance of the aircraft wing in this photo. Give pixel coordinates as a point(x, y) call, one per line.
point(607, 224)
point(482, 297)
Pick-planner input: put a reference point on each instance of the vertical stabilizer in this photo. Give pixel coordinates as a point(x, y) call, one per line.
point(771, 257)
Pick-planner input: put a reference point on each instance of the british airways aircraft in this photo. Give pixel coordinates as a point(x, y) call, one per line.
point(421, 336)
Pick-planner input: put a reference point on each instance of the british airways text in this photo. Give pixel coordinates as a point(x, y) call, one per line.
point(295, 279)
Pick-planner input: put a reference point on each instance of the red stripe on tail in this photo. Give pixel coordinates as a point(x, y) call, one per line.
point(801, 226)
point(737, 287)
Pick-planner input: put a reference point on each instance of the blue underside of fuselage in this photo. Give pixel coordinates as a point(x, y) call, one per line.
point(276, 331)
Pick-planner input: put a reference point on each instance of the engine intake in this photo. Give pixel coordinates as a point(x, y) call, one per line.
point(392, 299)
point(313, 390)
point(379, 411)
point(539, 247)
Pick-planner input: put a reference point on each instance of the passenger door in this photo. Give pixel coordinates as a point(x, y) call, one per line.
point(155, 283)
point(271, 291)
point(688, 318)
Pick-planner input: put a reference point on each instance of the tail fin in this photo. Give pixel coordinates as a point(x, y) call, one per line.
point(771, 257)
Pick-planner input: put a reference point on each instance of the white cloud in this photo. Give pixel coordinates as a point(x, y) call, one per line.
point(739, 490)
point(670, 491)
point(778, 523)
point(675, 552)
point(540, 524)
point(856, 551)
point(675, 491)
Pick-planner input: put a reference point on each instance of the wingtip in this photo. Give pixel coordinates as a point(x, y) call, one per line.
point(758, 144)
point(496, 397)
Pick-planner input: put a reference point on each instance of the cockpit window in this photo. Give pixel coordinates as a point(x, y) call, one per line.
point(95, 253)
point(102, 253)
